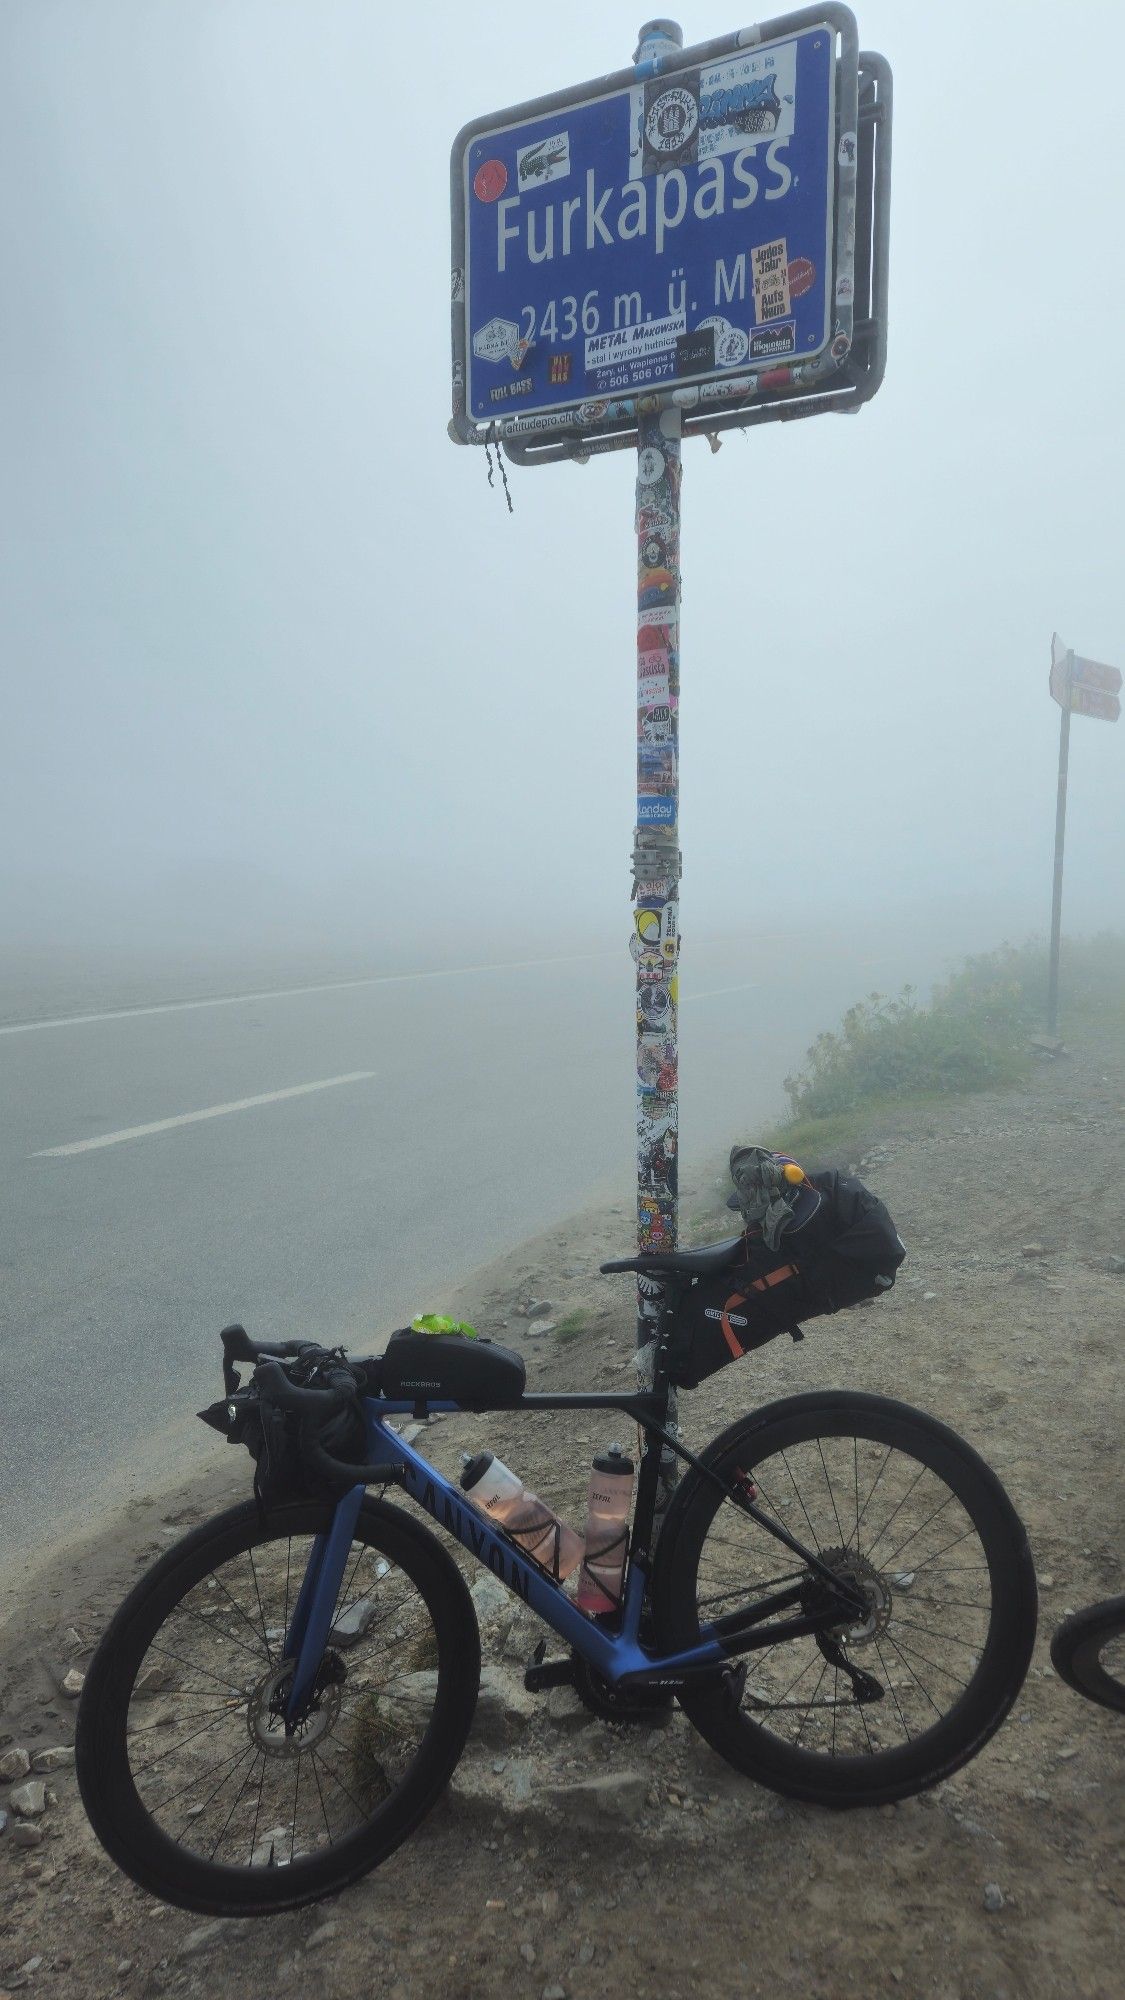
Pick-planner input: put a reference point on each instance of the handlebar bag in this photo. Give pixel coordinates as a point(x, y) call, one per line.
point(273, 1439)
point(437, 1367)
point(845, 1250)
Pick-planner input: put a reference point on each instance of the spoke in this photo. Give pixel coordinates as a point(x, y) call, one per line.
point(831, 1495)
point(180, 1744)
point(759, 1659)
point(927, 1631)
point(190, 1715)
point(855, 1462)
point(863, 1719)
point(871, 1492)
point(952, 1569)
point(320, 1795)
point(227, 1686)
point(894, 1692)
point(801, 1503)
point(216, 1631)
point(927, 1662)
point(895, 1553)
point(809, 1704)
point(957, 1539)
point(337, 1780)
point(234, 1807)
point(836, 1694)
point(919, 1475)
point(345, 1595)
point(788, 1691)
point(914, 1677)
point(257, 1813)
point(260, 1637)
point(231, 1766)
point(948, 1603)
point(261, 1613)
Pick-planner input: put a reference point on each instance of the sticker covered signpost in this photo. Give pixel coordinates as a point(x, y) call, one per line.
point(694, 244)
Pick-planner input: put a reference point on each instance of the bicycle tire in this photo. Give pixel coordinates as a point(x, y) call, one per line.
point(998, 1655)
point(1077, 1649)
point(135, 1679)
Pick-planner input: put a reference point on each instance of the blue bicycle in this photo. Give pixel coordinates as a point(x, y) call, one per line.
point(841, 1599)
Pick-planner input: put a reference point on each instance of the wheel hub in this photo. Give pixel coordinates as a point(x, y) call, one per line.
point(862, 1576)
point(265, 1709)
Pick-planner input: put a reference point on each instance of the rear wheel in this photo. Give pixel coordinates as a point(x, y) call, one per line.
point(881, 1705)
point(1088, 1651)
point(188, 1774)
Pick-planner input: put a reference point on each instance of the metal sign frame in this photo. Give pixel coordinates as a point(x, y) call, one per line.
point(845, 372)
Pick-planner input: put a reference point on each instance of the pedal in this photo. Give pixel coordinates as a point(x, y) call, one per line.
point(542, 1673)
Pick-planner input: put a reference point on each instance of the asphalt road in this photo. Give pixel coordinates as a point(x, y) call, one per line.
point(453, 1115)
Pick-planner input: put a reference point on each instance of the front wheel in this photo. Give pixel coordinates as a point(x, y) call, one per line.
point(1088, 1652)
point(897, 1505)
point(189, 1775)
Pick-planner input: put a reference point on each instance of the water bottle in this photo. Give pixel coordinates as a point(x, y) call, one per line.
point(501, 1496)
point(607, 1519)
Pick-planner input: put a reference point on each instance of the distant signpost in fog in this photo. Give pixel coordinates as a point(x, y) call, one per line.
point(1081, 687)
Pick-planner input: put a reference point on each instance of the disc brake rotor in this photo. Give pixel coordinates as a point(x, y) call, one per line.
point(265, 1708)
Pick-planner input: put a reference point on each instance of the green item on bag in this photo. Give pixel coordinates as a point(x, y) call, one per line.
point(437, 1323)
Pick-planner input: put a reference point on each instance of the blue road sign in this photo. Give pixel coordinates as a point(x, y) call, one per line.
point(678, 230)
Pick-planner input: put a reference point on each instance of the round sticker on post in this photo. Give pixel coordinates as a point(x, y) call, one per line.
point(671, 121)
point(650, 465)
point(490, 180)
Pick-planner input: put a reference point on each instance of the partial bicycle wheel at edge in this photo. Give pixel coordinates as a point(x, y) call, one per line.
point(184, 1765)
point(906, 1509)
point(1088, 1652)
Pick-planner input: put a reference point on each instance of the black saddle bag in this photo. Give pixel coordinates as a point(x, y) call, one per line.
point(846, 1251)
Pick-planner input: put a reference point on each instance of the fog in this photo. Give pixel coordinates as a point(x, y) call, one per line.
point(285, 684)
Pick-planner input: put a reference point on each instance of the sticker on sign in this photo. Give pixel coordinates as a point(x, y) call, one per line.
point(635, 343)
point(497, 341)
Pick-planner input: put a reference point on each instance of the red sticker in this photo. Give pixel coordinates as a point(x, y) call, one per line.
point(651, 638)
point(490, 180)
point(802, 276)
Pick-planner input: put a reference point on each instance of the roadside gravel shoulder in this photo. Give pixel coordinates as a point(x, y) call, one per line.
point(577, 1858)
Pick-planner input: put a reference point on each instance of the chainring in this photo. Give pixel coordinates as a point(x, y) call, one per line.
point(630, 1704)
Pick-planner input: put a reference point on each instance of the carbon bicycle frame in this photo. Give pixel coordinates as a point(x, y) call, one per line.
point(617, 1655)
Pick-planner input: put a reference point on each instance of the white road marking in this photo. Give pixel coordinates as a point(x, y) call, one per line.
point(353, 985)
point(717, 992)
point(294, 992)
point(196, 1117)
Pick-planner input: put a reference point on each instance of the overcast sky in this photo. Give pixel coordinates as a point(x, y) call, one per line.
point(279, 666)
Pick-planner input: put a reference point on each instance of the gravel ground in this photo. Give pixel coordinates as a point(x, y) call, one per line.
point(573, 1857)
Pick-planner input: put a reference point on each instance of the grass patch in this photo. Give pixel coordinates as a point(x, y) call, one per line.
point(841, 1138)
point(973, 1035)
point(571, 1326)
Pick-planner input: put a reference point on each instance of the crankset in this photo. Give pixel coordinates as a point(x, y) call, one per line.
point(619, 1704)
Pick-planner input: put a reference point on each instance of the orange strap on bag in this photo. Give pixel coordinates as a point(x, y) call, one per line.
point(736, 1299)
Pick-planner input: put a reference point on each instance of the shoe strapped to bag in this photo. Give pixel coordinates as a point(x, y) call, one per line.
point(813, 1243)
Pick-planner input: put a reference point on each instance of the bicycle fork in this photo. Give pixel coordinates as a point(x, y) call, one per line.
point(316, 1603)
